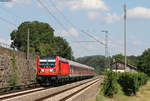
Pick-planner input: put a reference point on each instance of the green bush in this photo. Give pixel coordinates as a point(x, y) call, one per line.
point(130, 82)
point(13, 77)
point(142, 78)
point(110, 85)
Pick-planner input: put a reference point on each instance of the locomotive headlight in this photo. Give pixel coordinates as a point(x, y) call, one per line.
point(42, 70)
point(52, 70)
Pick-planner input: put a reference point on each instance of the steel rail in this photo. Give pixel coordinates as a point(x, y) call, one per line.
point(76, 92)
point(12, 89)
point(41, 94)
point(68, 89)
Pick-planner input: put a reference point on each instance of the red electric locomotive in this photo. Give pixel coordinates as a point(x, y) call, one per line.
point(54, 69)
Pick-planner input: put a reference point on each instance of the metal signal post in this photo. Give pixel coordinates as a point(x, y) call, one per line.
point(28, 44)
point(106, 48)
point(125, 30)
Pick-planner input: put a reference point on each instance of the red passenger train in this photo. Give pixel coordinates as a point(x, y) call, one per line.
point(54, 69)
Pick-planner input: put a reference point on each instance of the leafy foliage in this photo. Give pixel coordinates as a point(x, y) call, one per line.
point(62, 48)
point(97, 61)
point(42, 40)
point(110, 85)
point(144, 62)
point(13, 78)
point(132, 60)
point(130, 82)
point(118, 57)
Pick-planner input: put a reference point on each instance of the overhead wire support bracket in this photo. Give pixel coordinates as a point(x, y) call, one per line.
point(93, 37)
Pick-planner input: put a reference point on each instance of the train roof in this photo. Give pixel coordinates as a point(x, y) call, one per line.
point(75, 63)
point(69, 61)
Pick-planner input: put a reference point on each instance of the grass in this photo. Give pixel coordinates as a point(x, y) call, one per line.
point(142, 95)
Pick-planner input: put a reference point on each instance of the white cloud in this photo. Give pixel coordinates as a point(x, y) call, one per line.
point(134, 13)
point(93, 15)
point(70, 32)
point(13, 2)
point(136, 42)
point(5, 43)
point(9, 5)
point(139, 12)
point(87, 4)
point(22, 1)
point(112, 17)
point(73, 32)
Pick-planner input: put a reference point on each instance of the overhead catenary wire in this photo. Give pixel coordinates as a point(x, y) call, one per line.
point(85, 32)
point(64, 16)
point(53, 16)
point(49, 12)
point(11, 13)
point(68, 21)
point(82, 41)
point(91, 36)
point(7, 21)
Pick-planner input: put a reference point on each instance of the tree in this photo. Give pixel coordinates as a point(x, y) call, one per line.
point(97, 61)
point(144, 62)
point(118, 57)
point(132, 60)
point(42, 40)
point(62, 48)
point(39, 33)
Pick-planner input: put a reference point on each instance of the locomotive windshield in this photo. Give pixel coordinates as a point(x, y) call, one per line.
point(47, 64)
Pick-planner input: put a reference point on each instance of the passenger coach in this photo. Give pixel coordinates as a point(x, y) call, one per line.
point(55, 69)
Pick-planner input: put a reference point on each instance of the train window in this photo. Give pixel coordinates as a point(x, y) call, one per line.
point(47, 64)
point(71, 68)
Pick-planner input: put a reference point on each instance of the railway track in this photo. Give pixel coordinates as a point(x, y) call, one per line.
point(19, 93)
point(50, 94)
point(13, 89)
point(68, 93)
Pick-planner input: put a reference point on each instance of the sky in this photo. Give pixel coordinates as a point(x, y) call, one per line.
point(69, 17)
